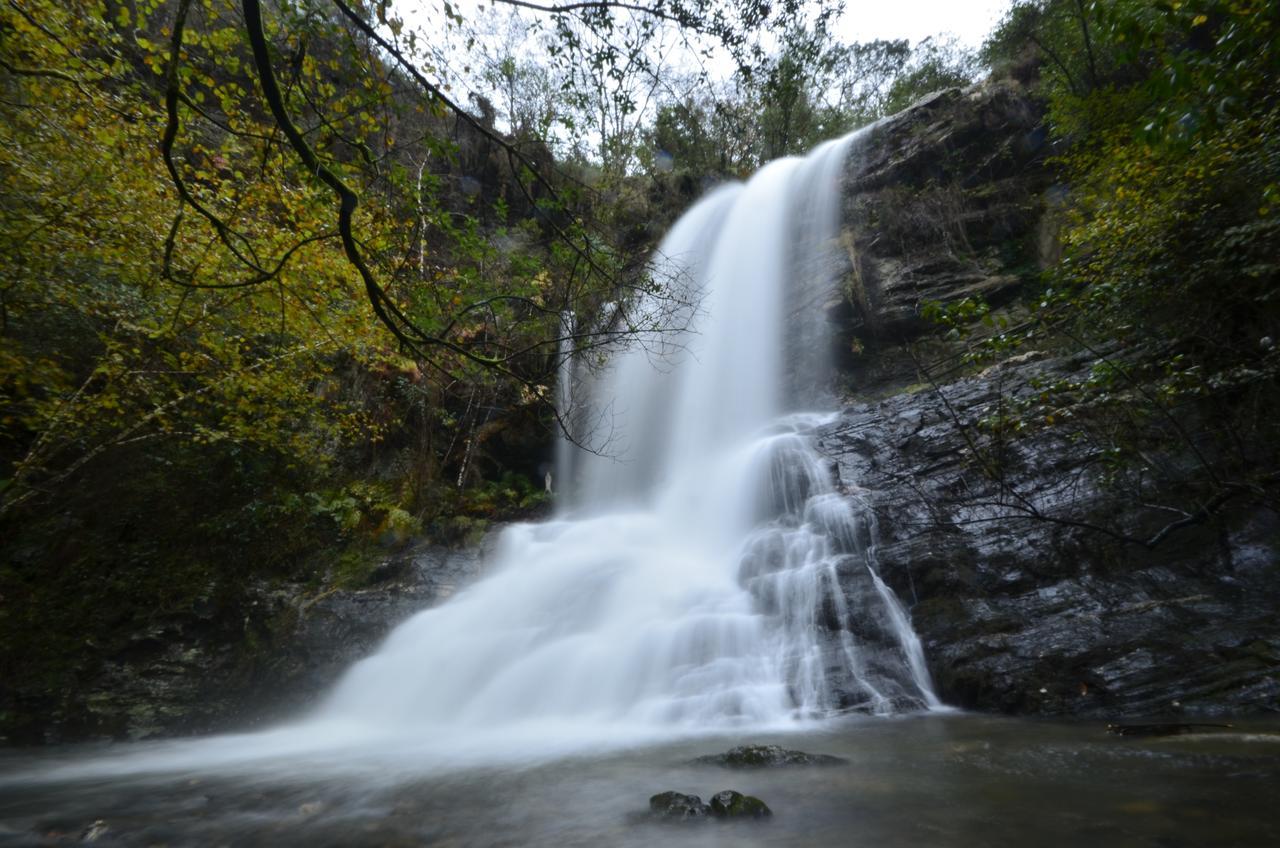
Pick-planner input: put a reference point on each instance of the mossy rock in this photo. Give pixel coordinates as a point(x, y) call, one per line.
point(763, 756)
point(678, 806)
point(734, 805)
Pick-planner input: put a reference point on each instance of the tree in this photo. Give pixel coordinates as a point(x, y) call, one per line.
point(864, 74)
point(288, 134)
point(935, 64)
point(809, 89)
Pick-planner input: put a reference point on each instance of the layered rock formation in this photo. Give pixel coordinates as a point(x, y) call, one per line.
point(943, 201)
point(1026, 599)
point(1023, 602)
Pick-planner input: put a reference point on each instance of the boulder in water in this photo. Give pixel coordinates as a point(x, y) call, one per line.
point(761, 756)
point(734, 805)
point(678, 806)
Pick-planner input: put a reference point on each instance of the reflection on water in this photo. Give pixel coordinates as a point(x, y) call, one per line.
point(929, 780)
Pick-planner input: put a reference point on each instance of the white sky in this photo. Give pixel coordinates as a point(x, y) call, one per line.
point(864, 20)
point(968, 20)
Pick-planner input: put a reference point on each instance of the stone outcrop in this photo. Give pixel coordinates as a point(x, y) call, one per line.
point(943, 201)
point(1022, 600)
point(1024, 597)
point(220, 667)
point(729, 804)
point(766, 756)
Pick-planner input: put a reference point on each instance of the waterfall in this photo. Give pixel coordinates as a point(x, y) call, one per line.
point(704, 570)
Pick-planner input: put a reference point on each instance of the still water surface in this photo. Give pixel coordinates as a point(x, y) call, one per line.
point(931, 780)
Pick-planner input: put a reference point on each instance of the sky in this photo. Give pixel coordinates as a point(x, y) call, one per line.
point(865, 20)
point(968, 20)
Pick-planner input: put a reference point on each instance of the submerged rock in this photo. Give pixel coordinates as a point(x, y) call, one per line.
point(761, 756)
point(734, 805)
point(678, 806)
point(729, 804)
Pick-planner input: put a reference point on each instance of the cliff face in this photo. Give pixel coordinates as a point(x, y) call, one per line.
point(1008, 552)
point(943, 201)
point(1042, 614)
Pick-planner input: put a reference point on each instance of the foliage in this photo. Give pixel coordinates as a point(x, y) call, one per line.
point(1168, 116)
point(811, 88)
point(934, 64)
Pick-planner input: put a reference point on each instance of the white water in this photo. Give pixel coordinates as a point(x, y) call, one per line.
point(704, 576)
point(691, 580)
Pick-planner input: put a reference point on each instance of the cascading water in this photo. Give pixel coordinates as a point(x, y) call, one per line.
point(704, 572)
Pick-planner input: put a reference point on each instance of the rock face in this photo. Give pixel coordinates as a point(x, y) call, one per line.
point(218, 668)
point(1048, 616)
point(943, 201)
point(1022, 604)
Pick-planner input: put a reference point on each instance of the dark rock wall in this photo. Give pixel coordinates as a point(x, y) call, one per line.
point(943, 201)
point(1027, 615)
point(233, 667)
point(1023, 604)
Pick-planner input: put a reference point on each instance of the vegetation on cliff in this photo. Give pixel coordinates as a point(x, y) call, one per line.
point(1164, 274)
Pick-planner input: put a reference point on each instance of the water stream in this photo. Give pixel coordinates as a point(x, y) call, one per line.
point(703, 572)
point(929, 779)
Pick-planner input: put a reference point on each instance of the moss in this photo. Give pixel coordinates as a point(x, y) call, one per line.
point(759, 756)
point(355, 566)
point(731, 804)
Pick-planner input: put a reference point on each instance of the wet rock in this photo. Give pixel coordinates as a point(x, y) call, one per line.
point(943, 201)
point(678, 806)
point(223, 666)
point(1026, 616)
point(734, 805)
point(322, 636)
point(764, 756)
